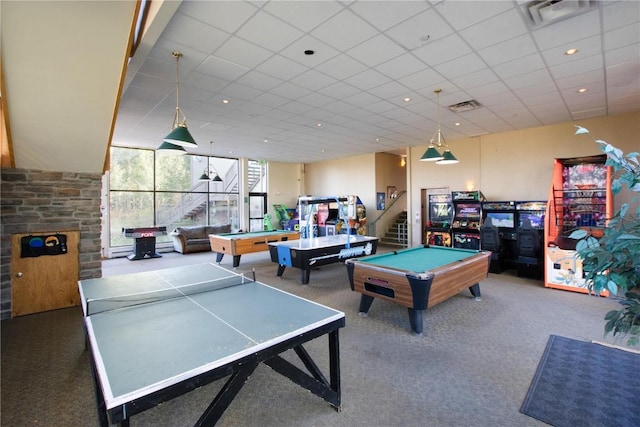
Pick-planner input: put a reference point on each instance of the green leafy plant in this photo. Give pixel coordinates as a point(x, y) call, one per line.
point(612, 262)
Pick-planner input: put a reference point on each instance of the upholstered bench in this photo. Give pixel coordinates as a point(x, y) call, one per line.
point(195, 238)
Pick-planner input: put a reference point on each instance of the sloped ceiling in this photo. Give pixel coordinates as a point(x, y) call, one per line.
point(63, 63)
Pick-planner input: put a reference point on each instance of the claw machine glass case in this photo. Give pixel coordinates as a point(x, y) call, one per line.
point(580, 198)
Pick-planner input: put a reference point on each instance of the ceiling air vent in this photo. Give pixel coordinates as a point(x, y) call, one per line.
point(539, 13)
point(464, 106)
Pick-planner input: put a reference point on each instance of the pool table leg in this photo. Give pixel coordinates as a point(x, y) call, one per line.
point(281, 269)
point(415, 318)
point(475, 291)
point(365, 305)
point(219, 257)
point(236, 261)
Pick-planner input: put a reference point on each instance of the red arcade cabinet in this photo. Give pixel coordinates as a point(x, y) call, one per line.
point(580, 198)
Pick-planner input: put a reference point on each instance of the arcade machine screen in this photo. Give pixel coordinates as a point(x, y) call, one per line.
point(502, 219)
point(468, 211)
point(440, 212)
point(537, 219)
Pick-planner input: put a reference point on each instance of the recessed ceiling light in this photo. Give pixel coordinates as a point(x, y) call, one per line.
point(318, 124)
point(309, 52)
point(572, 51)
point(225, 101)
point(582, 90)
point(266, 140)
point(407, 99)
point(457, 123)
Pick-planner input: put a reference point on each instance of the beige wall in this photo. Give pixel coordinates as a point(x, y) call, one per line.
point(518, 165)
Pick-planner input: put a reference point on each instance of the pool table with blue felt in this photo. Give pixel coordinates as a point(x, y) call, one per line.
point(417, 278)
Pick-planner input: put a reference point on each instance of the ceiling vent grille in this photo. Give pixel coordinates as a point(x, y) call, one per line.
point(539, 13)
point(464, 106)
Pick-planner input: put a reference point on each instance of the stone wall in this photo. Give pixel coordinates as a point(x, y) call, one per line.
point(35, 201)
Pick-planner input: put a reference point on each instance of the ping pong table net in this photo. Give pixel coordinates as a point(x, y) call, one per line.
point(124, 301)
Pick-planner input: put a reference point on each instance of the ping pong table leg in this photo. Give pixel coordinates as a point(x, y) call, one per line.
point(334, 367)
point(226, 395)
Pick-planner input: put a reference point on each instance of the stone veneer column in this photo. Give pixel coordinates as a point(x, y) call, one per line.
point(35, 201)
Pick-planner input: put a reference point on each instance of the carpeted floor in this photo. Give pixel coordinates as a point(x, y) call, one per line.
point(472, 367)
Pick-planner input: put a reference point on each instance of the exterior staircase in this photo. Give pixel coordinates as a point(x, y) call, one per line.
point(396, 235)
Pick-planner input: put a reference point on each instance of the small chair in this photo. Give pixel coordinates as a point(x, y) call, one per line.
point(490, 241)
point(529, 261)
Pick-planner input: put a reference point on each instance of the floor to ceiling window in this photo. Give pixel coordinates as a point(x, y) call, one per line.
point(149, 188)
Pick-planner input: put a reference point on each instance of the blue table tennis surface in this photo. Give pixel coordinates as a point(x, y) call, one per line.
point(141, 349)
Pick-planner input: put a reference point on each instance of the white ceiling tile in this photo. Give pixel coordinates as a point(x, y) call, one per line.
point(237, 92)
point(281, 67)
point(376, 50)
point(463, 14)
point(290, 91)
point(538, 77)
point(494, 30)
point(218, 67)
point(271, 100)
point(260, 30)
point(481, 78)
point(313, 80)
point(421, 79)
point(258, 80)
point(423, 28)
point(391, 90)
point(205, 81)
point(385, 14)
point(508, 50)
point(580, 65)
point(367, 79)
point(582, 79)
point(460, 66)
point(316, 99)
point(195, 34)
point(621, 14)
point(339, 90)
point(226, 15)
point(296, 51)
point(242, 52)
point(443, 50)
point(519, 66)
point(586, 47)
point(401, 66)
point(303, 15)
point(568, 30)
point(344, 30)
point(622, 36)
point(341, 67)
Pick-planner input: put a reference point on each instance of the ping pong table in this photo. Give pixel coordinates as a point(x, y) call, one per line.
point(156, 335)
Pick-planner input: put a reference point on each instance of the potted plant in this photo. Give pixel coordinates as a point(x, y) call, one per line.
point(612, 261)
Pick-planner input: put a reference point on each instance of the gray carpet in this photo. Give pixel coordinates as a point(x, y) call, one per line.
point(580, 383)
point(472, 367)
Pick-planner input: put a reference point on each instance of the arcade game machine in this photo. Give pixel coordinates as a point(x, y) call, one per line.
point(534, 211)
point(438, 230)
point(580, 198)
point(503, 216)
point(322, 216)
point(465, 229)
